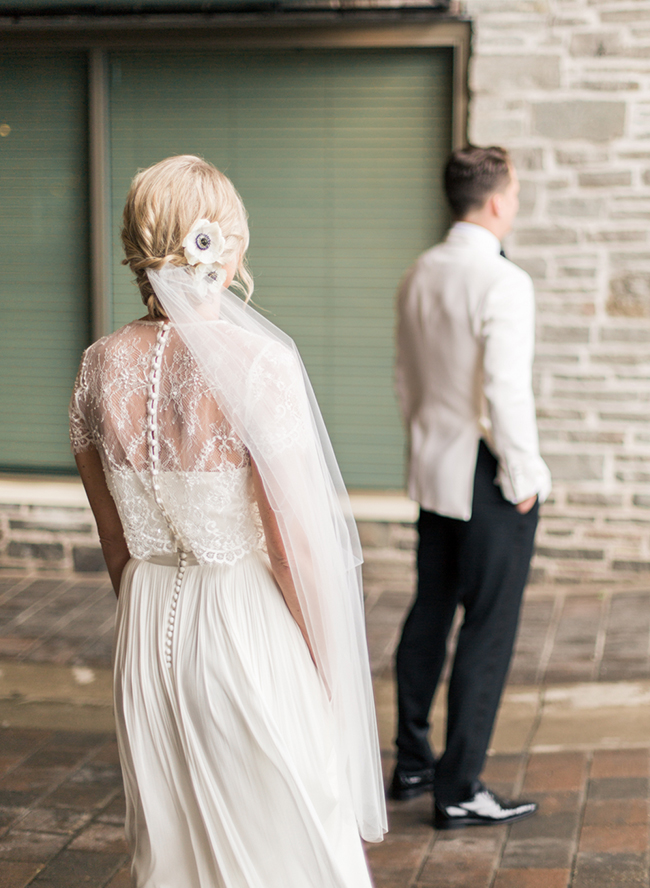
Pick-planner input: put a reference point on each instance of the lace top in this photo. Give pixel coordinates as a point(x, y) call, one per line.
point(178, 473)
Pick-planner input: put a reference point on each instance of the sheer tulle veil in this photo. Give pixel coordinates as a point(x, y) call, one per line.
point(257, 376)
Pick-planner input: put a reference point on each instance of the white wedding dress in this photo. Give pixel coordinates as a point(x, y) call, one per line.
point(224, 726)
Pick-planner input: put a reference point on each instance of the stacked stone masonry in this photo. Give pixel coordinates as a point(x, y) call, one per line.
point(565, 84)
point(49, 538)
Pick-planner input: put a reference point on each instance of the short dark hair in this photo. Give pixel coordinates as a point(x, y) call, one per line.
point(472, 174)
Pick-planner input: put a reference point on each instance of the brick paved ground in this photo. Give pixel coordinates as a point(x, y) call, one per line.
point(56, 619)
point(565, 634)
point(591, 830)
point(62, 812)
point(61, 803)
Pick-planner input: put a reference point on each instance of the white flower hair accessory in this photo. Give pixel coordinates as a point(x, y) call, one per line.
point(204, 247)
point(205, 243)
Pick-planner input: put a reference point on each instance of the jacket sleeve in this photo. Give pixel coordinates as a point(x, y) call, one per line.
point(406, 372)
point(508, 333)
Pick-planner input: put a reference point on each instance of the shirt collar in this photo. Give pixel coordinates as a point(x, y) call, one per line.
point(478, 235)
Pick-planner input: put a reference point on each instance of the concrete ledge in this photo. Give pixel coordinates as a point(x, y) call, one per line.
point(42, 491)
point(69, 493)
point(391, 506)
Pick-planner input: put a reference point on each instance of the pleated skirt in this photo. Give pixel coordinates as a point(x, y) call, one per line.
point(227, 752)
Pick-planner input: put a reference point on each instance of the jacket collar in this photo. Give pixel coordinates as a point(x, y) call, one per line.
point(467, 233)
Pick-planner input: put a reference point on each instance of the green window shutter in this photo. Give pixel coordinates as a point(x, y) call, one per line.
point(337, 155)
point(43, 254)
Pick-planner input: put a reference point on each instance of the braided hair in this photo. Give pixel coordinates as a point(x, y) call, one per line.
point(163, 203)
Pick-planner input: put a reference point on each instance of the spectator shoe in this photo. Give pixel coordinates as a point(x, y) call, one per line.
point(484, 808)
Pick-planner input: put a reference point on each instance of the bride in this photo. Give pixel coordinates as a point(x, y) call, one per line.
point(243, 700)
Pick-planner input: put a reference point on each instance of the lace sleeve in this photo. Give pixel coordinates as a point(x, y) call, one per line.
point(80, 437)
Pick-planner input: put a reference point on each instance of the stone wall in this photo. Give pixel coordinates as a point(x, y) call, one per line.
point(53, 538)
point(565, 84)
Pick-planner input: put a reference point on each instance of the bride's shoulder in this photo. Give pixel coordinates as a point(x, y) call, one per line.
point(135, 333)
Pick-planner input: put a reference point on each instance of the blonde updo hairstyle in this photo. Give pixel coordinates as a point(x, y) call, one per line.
point(163, 203)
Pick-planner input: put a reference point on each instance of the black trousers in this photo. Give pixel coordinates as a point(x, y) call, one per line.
point(481, 564)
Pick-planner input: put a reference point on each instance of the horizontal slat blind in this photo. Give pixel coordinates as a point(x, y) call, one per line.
point(337, 155)
point(43, 254)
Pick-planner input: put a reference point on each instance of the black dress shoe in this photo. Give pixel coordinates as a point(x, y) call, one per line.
point(410, 784)
point(484, 808)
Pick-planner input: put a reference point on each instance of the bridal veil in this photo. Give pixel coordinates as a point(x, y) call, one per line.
point(256, 374)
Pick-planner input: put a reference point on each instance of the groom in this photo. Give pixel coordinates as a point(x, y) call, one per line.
point(465, 353)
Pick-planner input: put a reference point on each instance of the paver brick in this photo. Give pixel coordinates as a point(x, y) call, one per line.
point(615, 812)
point(19, 845)
point(502, 768)
point(411, 818)
point(114, 812)
point(399, 857)
point(620, 763)
point(618, 788)
point(53, 756)
point(597, 870)
point(533, 878)
point(54, 820)
point(81, 869)
point(559, 825)
point(462, 857)
point(556, 802)
point(104, 837)
point(16, 874)
point(456, 875)
point(9, 816)
point(23, 741)
point(8, 762)
point(108, 754)
point(78, 739)
point(121, 879)
point(538, 852)
point(10, 799)
point(71, 795)
point(24, 778)
point(559, 771)
point(631, 838)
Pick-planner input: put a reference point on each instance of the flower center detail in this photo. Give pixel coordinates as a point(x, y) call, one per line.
point(203, 242)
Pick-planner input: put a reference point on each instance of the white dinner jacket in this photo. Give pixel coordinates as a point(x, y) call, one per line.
point(465, 346)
